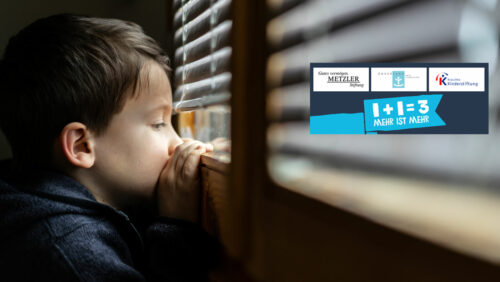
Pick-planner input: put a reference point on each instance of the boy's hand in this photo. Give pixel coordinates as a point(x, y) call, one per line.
point(178, 191)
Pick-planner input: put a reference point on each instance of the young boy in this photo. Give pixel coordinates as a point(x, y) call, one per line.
point(86, 106)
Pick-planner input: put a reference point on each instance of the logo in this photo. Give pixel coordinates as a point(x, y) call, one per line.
point(344, 77)
point(398, 79)
point(341, 79)
point(458, 79)
point(441, 77)
point(390, 79)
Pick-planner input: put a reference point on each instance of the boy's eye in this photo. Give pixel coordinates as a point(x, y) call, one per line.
point(159, 125)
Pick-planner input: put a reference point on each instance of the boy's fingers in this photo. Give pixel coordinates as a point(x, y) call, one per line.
point(208, 146)
point(190, 167)
point(183, 155)
point(173, 160)
point(173, 164)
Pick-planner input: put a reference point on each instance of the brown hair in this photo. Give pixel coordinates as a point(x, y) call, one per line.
point(68, 68)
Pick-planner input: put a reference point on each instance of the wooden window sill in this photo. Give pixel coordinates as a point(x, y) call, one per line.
point(214, 201)
point(463, 218)
point(218, 161)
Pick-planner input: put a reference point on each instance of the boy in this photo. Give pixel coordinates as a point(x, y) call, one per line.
point(86, 106)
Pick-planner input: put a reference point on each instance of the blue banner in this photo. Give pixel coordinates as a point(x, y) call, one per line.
point(399, 113)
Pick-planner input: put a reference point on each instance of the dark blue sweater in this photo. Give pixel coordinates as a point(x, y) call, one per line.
point(53, 229)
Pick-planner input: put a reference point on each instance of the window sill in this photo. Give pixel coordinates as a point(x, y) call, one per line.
point(218, 161)
point(214, 200)
point(462, 218)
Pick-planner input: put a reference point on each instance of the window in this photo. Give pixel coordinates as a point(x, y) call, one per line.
point(202, 76)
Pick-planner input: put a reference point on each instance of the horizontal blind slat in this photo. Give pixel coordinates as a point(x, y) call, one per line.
point(205, 67)
point(177, 4)
point(212, 99)
point(290, 103)
point(277, 7)
point(202, 24)
point(216, 84)
point(189, 11)
point(204, 45)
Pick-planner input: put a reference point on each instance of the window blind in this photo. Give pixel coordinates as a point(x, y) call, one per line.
point(202, 53)
point(301, 32)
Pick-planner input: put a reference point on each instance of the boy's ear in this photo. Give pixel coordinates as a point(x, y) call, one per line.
point(77, 145)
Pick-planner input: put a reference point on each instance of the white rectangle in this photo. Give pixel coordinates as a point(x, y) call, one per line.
point(415, 80)
point(456, 79)
point(340, 79)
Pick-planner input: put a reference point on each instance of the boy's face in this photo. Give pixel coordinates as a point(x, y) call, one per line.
point(133, 150)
